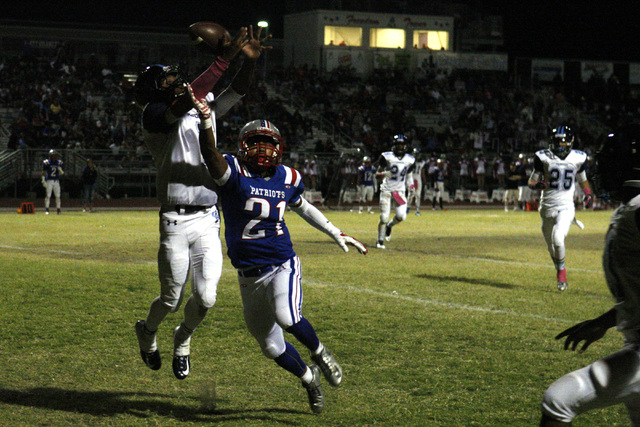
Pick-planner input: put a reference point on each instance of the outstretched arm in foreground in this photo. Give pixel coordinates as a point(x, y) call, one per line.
point(313, 216)
point(213, 159)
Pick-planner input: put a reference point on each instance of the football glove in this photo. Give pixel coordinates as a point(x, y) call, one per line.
point(44, 183)
point(204, 111)
point(344, 241)
point(588, 198)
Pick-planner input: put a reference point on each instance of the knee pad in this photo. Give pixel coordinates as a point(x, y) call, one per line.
point(171, 303)
point(271, 349)
point(384, 217)
point(401, 216)
point(206, 301)
point(557, 239)
point(562, 398)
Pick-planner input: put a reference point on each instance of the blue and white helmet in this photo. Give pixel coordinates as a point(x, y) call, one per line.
point(562, 138)
point(400, 145)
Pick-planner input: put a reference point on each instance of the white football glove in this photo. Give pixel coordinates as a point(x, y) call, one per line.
point(343, 240)
point(204, 111)
point(44, 183)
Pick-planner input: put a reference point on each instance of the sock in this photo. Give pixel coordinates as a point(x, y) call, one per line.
point(157, 312)
point(304, 332)
point(194, 313)
point(307, 377)
point(292, 362)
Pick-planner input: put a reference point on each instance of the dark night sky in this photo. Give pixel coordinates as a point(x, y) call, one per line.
point(586, 29)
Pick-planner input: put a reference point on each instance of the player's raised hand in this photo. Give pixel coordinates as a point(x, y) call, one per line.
point(588, 331)
point(231, 48)
point(255, 46)
point(204, 111)
point(345, 241)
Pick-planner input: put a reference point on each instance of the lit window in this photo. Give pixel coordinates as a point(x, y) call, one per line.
point(434, 40)
point(343, 36)
point(387, 37)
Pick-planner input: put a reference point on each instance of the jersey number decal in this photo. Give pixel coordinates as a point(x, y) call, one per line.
point(265, 211)
point(398, 174)
point(556, 179)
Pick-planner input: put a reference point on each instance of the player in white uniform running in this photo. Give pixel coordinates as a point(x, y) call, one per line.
point(394, 169)
point(189, 219)
point(555, 172)
point(614, 379)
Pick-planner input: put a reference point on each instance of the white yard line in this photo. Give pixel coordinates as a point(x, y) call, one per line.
point(393, 294)
point(437, 303)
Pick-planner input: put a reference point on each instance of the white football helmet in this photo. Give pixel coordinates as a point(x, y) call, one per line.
point(260, 145)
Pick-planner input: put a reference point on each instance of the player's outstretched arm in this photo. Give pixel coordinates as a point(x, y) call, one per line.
point(215, 162)
point(588, 331)
point(252, 50)
point(205, 82)
point(313, 216)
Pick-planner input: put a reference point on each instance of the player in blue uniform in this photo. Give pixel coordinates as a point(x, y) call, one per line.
point(366, 183)
point(51, 173)
point(255, 190)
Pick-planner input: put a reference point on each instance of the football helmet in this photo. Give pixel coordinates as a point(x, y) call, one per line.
point(617, 164)
point(561, 141)
point(400, 145)
point(260, 145)
point(152, 84)
point(54, 154)
point(366, 160)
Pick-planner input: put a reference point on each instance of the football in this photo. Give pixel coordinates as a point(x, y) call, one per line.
point(209, 36)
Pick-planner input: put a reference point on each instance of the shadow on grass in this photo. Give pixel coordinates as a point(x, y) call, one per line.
point(471, 281)
point(140, 405)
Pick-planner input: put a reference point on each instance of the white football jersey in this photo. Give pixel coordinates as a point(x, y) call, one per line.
point(417, 170)
point(621, 262)
point(399, 169)
point(560, 176)
point(182, 176)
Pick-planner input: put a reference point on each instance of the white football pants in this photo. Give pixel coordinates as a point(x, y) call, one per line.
point(555, 227)
point(609, 381)
point(53, 185)
point(189, 243)
point(271, 303)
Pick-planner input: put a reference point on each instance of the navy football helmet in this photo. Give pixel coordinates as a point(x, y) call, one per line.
point(152, 84)
point(54, 154)
point(400, 145)
point(617, 166)
point(561, 141)
point(260, 145)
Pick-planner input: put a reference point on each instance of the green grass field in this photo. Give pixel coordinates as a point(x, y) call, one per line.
point(451, 325)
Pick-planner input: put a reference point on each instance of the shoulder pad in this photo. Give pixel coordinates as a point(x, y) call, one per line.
point(292, 176)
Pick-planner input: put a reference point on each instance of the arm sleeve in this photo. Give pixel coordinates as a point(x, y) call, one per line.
point(313, 216)
point(205, 82)
point(581, 176)
point(223, 103)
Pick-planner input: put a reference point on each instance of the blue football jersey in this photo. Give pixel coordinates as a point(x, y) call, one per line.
point(253, 209)
point(50, 169)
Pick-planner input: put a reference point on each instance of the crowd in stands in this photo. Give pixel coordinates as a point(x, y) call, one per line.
point(82, 104)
